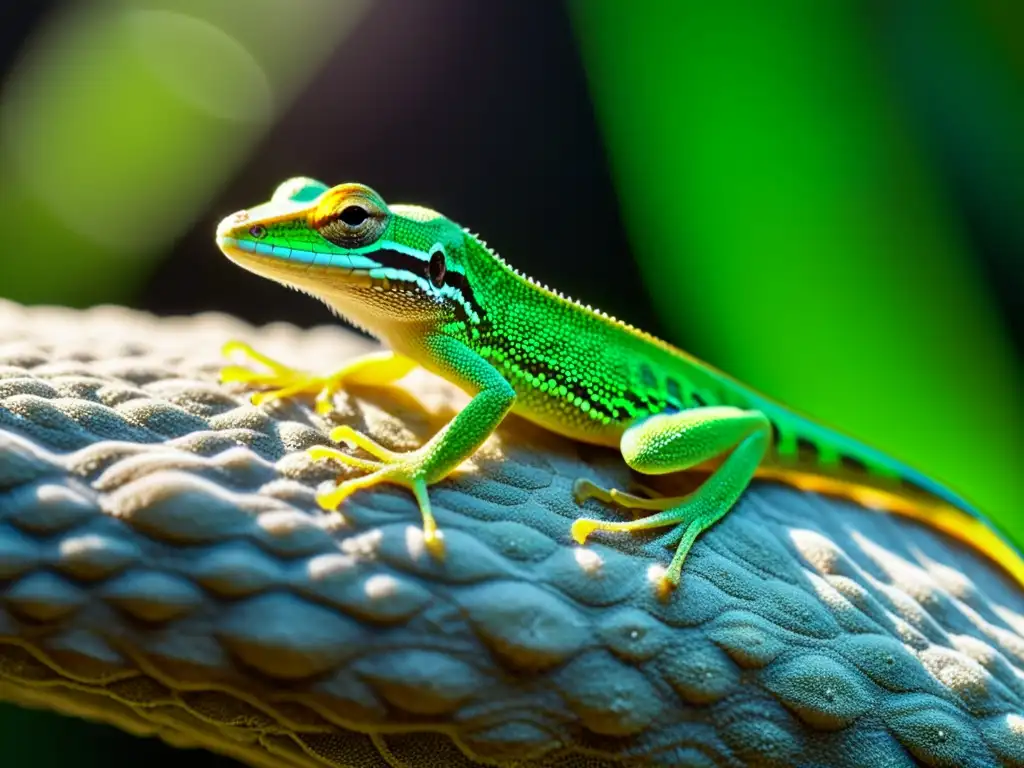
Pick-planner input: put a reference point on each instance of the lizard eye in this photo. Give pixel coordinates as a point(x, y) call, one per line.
point(437, 268)
point(350, 216)
point(258, 231)
point(354, 215)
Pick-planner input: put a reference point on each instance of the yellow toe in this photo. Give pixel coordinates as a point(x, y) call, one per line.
point(664, 588)
point(233, 346)
point(433, 540)
point(324, 402)
point(581, 529)
point(341, 434)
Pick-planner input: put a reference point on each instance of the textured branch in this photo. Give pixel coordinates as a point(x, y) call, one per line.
point(164, 567)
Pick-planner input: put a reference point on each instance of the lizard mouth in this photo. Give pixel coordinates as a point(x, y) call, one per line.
point(296, 262)
point(245, 251)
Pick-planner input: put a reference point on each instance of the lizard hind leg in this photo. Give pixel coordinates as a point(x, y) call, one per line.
point(674, 442)
point(281, 382)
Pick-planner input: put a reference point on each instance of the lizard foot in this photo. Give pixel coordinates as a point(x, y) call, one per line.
point(284, 382)
point(686, 518)
point(405, 469)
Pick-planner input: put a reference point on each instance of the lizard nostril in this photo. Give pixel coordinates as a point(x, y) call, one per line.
point(258, 231)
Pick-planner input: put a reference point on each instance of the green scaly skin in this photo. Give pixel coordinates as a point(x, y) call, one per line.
point(438, 297)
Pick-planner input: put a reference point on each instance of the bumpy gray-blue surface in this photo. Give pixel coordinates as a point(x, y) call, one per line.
point(164, 567)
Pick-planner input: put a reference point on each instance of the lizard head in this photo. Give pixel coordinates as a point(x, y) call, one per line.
point(376, 265)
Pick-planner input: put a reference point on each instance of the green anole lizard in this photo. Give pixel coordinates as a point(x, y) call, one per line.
point(439, 298)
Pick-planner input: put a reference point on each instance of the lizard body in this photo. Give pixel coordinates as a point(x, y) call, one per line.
point(438, 297)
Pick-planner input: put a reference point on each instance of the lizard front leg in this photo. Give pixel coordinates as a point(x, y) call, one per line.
point(673, 442)
point(435, 460)
point(376, 368)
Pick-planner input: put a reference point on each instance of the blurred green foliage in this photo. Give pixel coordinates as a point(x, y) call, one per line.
point(122, 120)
